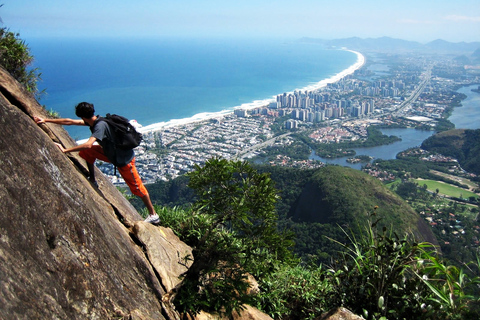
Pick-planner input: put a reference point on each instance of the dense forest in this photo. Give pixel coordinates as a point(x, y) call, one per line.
point(317, 204)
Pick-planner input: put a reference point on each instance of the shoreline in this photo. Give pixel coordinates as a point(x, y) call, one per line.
point(203, 116)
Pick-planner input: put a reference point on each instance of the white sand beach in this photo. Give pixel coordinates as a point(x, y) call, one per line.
point(255, 104)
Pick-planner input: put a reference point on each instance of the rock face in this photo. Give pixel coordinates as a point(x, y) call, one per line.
point(340, 314)
point(67, 249)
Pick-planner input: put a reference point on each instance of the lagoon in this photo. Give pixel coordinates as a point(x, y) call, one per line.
point(468, 115)
point(410, 138)
point(465, 117)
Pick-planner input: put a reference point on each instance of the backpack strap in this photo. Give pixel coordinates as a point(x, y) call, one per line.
point(100, 118)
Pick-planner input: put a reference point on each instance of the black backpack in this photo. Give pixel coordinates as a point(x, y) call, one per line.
point(125, 135)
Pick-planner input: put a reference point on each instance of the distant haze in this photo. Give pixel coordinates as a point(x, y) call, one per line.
point(421, 21)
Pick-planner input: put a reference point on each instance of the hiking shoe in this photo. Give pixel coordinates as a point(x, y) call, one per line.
point(153, 219)
point(94, 183)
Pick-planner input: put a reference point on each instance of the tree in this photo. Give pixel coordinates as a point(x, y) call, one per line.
point(233, 231)
point(407, 190)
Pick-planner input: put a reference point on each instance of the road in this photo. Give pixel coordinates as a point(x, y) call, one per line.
point(415, 94)
point(266, 143)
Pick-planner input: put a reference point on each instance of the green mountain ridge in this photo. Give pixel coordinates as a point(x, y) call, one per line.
point(461, 144)
point(344, 196)
point(337, 197)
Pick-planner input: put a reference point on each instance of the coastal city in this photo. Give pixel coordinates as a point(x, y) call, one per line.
point(415, 90)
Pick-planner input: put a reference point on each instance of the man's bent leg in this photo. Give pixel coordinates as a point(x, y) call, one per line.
point(91, 171)
point(130, 174)
point(134, 182)
point(90, 155)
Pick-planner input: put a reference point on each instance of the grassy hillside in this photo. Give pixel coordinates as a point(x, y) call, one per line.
point(446, 189)
point(342, 195)
point(337, 197)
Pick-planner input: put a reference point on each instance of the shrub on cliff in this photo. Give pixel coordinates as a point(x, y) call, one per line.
point(232, 230)
point(15, 57)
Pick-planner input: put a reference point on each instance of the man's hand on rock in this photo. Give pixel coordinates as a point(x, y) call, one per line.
point(39, 120)
point(60, 147)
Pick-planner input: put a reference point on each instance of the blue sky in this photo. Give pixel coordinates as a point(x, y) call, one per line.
point(419, 20)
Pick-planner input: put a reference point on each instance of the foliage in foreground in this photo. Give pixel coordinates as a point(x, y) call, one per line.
point(232, 230)
point(379, 275)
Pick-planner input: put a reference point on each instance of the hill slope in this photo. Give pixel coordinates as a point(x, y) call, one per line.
point(339, 196)
point(461, 144)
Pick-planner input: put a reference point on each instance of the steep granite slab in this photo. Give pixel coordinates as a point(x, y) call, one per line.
point(65, 249)
point(168, 255)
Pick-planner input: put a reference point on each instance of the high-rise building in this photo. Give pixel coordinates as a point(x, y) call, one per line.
point(274, 105)
point(295, 114)
point(240, 113)
point(291, 124)
point(319, 116)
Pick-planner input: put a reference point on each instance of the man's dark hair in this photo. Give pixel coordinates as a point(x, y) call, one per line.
point(84, 110)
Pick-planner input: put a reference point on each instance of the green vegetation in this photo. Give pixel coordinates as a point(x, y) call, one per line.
point(297, 150)
point(334, 151)
point(232, 229)
point(313, 203)
point(454, 223)
point(444, 124)
point(438, 189)
point(15, 57)
point(463, 145)
point(278, 126)
point(363, 158)
point(336, 196)
point(295, 292)
point(384, 275)
point(414, 163)
point(379, 275)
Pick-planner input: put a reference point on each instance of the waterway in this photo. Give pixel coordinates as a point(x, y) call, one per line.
point(465, 117)
point(410, 138)
point(468, 115)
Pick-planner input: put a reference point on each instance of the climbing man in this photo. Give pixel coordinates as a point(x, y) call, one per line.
point(106, 151)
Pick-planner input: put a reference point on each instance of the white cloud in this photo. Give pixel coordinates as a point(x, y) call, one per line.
point(413, 21)
point(459, 18)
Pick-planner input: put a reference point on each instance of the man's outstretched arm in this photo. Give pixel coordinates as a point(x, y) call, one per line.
point(86, 145)
point(63, 121)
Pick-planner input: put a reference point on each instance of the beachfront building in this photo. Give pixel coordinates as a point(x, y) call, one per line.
point(240, 113)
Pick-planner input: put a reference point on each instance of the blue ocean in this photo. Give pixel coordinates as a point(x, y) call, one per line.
point(157, 80)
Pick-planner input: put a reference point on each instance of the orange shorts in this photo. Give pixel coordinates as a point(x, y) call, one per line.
point(128, 172)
